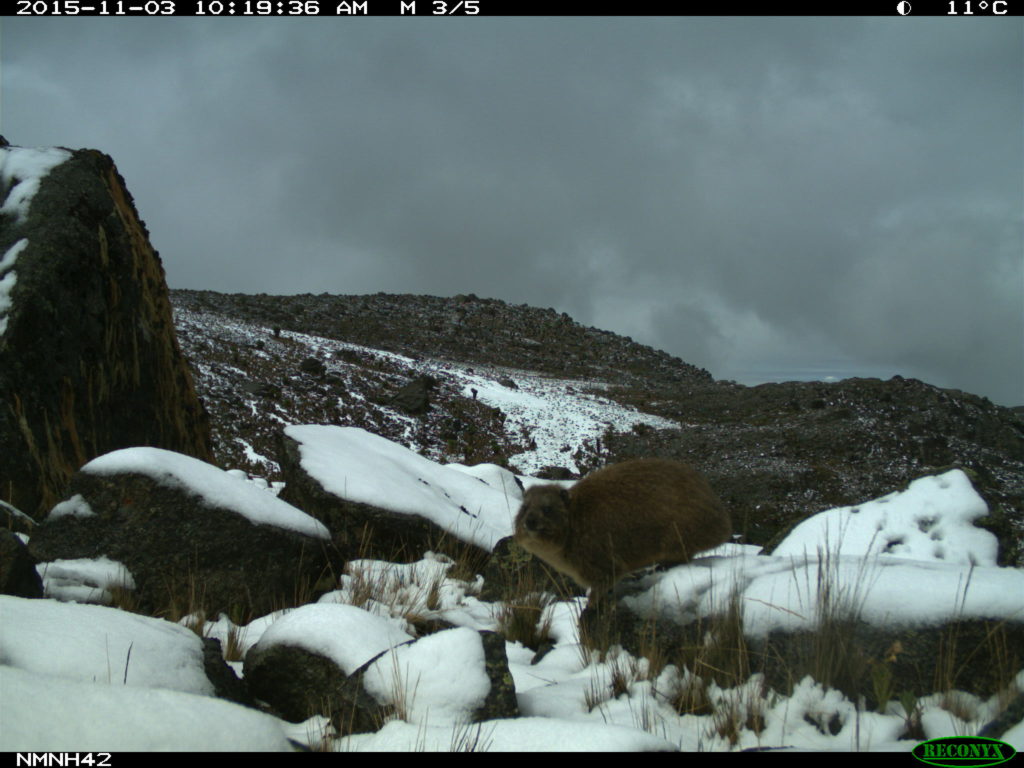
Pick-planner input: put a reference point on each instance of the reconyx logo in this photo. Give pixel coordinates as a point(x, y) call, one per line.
point(972, 751)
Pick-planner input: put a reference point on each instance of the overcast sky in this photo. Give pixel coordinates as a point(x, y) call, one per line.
point(765, 198)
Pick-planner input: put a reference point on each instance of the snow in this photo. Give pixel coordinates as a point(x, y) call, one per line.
point(884, 594)
point(98, 644)
point(521, 734)
point(345, 634)
point(11, 256)
point(252, 455)
point(801, 718)
point(76, 506)
point(217, 487)
point(86, 580)
point(403, 589)
point(555, 412)
point(8, 277)
point(45, 713)
point(359, 466)
point(21, 171)
point(438, 679)
point(930, 520)
point(246, 635)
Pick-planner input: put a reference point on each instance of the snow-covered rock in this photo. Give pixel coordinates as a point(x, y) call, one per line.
point(183, 531)
point(373, 489)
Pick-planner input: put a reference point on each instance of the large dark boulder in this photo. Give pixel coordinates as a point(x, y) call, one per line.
point(89, 361)
point(414, 397)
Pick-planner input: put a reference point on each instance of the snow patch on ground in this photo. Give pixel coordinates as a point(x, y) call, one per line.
point(438, 679)
point(76, 506)
point(521, 734)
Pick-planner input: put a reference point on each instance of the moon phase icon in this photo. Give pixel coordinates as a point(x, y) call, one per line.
point(903, 8)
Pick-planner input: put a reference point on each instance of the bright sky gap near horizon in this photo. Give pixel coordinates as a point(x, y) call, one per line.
point(768, 198)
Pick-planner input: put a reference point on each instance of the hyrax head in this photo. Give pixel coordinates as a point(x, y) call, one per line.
point(543, 516)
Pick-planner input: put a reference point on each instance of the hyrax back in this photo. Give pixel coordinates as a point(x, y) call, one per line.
point(620, 518)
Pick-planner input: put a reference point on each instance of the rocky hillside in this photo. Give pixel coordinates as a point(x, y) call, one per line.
point(425, 371)
point(778, 452)
point(462, 328)
point(482, 401)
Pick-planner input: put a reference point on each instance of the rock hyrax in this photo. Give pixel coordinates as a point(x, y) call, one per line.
point(620, 518)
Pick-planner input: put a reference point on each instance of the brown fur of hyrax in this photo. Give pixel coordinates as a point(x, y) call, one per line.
point(620, 518)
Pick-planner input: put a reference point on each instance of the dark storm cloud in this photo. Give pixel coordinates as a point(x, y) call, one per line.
point(734, 191)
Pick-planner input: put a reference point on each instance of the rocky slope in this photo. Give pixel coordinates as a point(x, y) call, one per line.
point(776, 453)
point(462, 328)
